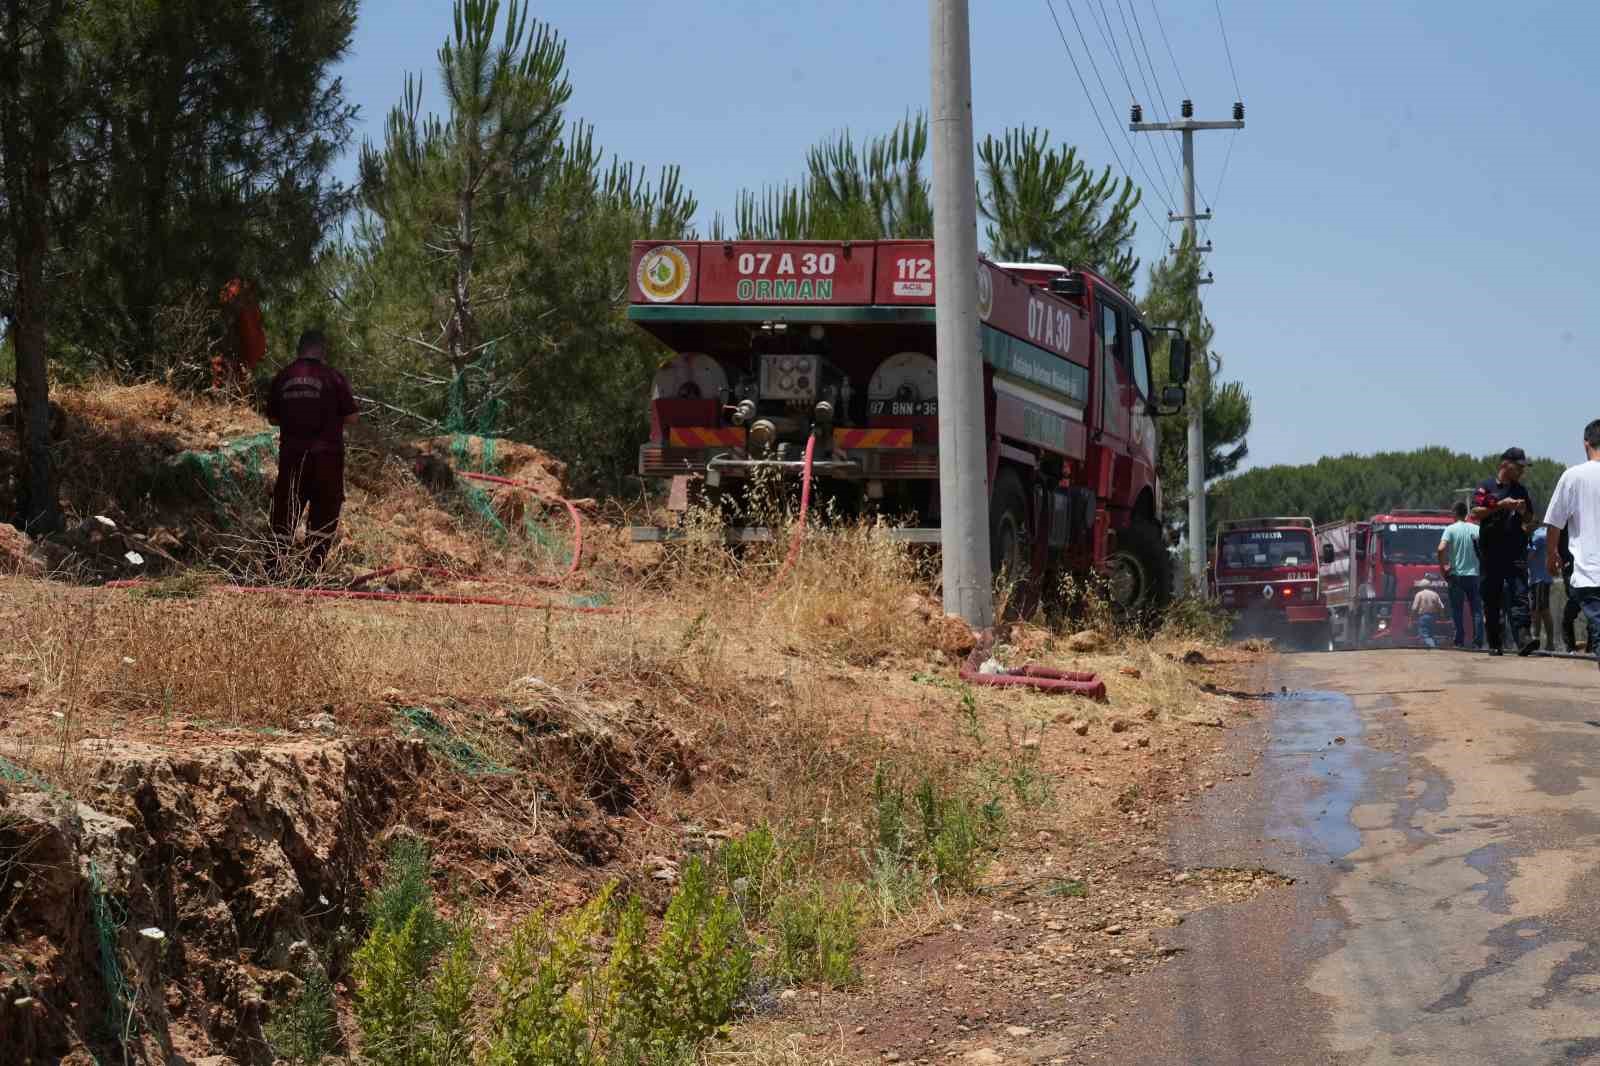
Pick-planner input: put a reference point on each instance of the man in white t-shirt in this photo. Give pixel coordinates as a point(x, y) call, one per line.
point(1575, 506)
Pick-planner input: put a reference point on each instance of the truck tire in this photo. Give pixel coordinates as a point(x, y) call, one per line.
point(1008, 528)
point(1140, 569)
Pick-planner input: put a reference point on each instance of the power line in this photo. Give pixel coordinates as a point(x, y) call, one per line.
point(1095, 111)
point(1170, 53)
point(1157, 94)
point(1221, 177)
point(1108, 35)
point(1132, 148)
point(1237, 95)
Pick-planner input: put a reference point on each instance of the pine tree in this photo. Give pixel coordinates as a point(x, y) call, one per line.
point(208, 155)
point(878, 192)
point(485, 283)
point(1043, 204)
point(1041, 201)
point(1171, 301)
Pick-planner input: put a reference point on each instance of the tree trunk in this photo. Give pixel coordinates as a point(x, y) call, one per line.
point(460, 338)
point(38, 510)
point(30, 135)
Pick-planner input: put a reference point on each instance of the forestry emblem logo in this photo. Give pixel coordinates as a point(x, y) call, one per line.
point(663, 274)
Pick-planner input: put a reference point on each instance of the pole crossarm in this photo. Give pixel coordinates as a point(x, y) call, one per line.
point(1183, 124)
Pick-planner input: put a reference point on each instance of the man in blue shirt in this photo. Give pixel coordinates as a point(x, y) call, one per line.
point(1539, 585)
point(1458, 562)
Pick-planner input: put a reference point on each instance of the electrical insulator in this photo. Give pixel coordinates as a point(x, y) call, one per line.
point(1138, 113)
point(1188, 109)
point(1238, 111)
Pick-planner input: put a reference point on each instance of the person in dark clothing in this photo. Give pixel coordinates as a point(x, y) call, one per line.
point(311, 403)
point(1573, 606)
point(1505, 515)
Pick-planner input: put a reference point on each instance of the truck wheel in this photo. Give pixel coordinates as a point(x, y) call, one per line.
point(1139, 568)
point(1008, 527)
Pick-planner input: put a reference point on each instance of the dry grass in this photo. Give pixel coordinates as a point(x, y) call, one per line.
point(768, 1045)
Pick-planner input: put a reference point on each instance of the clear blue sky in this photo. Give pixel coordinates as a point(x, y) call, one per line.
point(1407, 238)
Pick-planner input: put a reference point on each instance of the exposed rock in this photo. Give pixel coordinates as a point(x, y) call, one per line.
point(1086, 640)
point(234, 855)
point(18, 554)
point(954, 637)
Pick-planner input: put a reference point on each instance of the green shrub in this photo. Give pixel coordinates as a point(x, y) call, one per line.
point(1197, 618)
point(755, 869)
point(818, 934)
point(888, 829)
point(944, 834)
point(544, 1000)
point(703, 962)
point(559, 1004)
point(957, 836)
point(405, 891)
point(305, 1029)
point(409, 1012)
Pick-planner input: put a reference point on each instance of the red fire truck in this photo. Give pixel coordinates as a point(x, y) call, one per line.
point(777, 341)
point(1266, 570)
point(1372, 569)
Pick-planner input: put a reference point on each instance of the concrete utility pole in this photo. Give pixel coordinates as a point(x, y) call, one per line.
point(1197, 445)
point(963, 455)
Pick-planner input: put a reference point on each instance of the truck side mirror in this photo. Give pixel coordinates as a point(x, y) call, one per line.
point(1069, 285)
point(1173, 397)
point(1327, 553)
point(1178, 358)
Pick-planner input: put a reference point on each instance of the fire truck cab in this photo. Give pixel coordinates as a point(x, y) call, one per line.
point(1371, 570)
point(1266, 570)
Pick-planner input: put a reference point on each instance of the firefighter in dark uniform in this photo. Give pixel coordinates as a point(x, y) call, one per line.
point(311, 403)
point(1505, 515)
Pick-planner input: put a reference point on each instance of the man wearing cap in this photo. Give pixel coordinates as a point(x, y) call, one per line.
point(1504, 511)
point(1575, 507)
point(311, 402)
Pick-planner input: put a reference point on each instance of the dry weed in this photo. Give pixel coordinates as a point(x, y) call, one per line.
point(767, 1046)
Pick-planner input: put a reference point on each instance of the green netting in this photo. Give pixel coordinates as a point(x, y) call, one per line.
point(236, 472)
point(483, 422)
point(466, 758)
point(10, 771)
point(108, 918)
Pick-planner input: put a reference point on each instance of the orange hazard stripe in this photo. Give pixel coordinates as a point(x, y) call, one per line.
point(704, 437)
point(872, 438)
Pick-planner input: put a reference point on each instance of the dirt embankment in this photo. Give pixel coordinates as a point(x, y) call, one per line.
point(193, 876)
point(197, 785)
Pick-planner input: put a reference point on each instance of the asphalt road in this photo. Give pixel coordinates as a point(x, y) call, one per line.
point(1440, 813)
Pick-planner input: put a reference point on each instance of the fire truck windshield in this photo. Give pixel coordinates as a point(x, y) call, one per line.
point(1410, 543)
point(1261, 549)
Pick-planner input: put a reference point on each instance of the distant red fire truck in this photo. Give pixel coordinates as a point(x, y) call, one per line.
point(785, 348)
point(1372, 569)
point(1266, 570)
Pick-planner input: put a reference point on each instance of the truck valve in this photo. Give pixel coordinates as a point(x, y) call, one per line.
point(744, 412)
point(762, 435)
